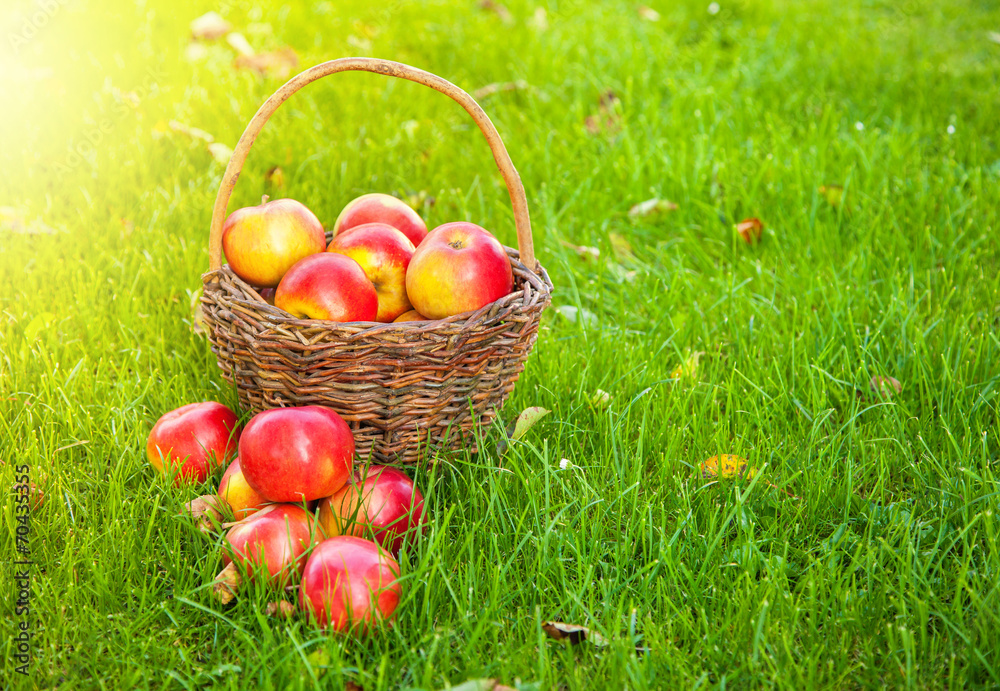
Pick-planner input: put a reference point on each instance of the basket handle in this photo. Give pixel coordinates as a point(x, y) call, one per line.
point(391, 69)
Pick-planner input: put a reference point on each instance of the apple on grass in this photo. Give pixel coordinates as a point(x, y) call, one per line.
point(235, 491)
point(262, 242)
point(268, 546)
point(377, 501)
point(327, 286)
point(193, 440)
point(350, 584)
point(382, 208)
point(296, 454)
point(459, 267)
point(383, 253)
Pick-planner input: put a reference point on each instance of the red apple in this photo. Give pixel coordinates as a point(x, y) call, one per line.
point(383, 253)
point(263, 242)
point(237, 492)
point(195, 438)
point(271, 544)
point(411, 316)
point(382, 208)
point(377, 501)
point(296, 454)
point(458, 268)
point(328, 286)
point(349, 583)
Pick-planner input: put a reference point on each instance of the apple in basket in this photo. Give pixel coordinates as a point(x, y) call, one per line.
point(350, 583)
point(327, 286)
point(379, 502)
point(383, 253)
point(411, 316)
point(459, 267)
point(262, 242)
point(382, 208)
point(194, 439)
point(296, 454)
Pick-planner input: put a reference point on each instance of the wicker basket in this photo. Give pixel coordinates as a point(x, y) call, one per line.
point(405, 389)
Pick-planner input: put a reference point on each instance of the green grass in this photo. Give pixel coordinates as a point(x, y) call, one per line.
point(864, 553)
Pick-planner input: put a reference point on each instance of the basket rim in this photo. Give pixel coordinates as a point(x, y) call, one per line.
point(539, 282)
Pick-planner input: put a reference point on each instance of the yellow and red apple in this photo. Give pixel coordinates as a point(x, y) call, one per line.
point(237, 492)
point(271, 545)
point(459, 267)
point(296, 454)
point(262, 242)
point(383, 253)
point(193, 440)
point(379, 502)
point(382, 208)
point(350, 584)
point(327, 286)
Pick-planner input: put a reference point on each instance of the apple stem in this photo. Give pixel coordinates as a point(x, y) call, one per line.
point(263, 199)
point(226, 583)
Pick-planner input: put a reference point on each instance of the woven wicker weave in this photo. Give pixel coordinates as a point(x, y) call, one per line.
point(405, 389)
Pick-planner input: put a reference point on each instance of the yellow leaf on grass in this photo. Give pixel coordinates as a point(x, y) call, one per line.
point(620, 246)
point(834, 194)
point(726, 466)
point(689, 368)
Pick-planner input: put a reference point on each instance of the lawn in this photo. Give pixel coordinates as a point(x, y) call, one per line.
point(863, 552)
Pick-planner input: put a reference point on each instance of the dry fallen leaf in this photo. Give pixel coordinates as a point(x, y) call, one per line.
point(726, 466)
point(278, 63)
point(649, 14)
point(885, 386)
point(499, 10)
point(206, 511)
point(582, 251)
point(651, 207)
point(573, 633)
point(499, 87)
point(226, 584)
point(281, 608)
point(750, 230)
point(834, 194)
point(36, 497)
point(539, 20)
point(209, 27)
point(608, 118)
